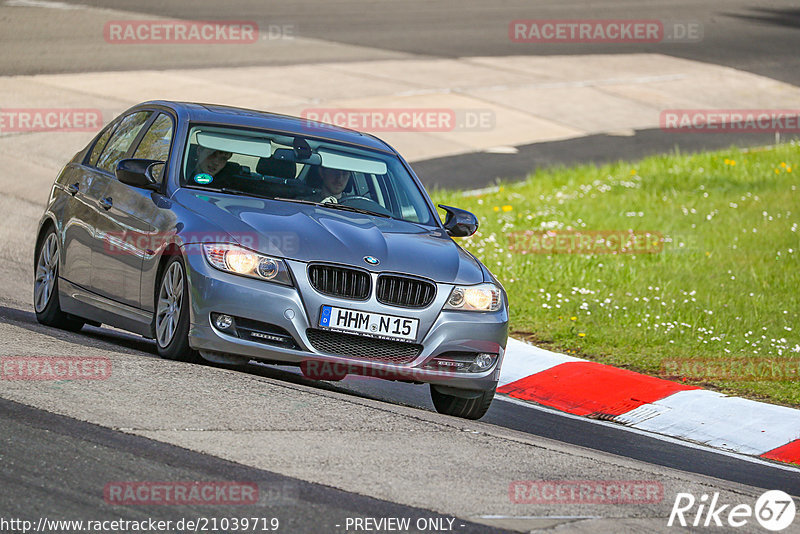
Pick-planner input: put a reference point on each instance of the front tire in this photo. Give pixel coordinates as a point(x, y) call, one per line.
point(45, 287)
point(172, 314)
point(467, 408)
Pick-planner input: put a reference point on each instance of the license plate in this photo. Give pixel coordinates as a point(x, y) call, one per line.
point(369, 323)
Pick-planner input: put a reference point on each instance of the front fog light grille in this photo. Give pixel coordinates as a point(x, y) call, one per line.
point(251, 330)
point(463, 362)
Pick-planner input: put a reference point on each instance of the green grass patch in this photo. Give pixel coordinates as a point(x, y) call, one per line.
point(717, 306)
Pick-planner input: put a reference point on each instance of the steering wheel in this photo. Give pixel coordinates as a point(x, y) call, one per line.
point(357, 197)
point(359, 201)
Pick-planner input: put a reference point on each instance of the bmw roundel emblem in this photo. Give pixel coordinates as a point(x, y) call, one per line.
point(372, 260)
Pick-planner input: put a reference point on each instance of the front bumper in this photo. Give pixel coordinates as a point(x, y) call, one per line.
point(296, 309)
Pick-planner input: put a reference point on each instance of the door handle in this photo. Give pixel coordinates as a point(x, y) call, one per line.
point(74, 188)
point(106, 203)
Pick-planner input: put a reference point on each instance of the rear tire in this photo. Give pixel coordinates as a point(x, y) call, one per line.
point(172, 314)
point(473, 408)
point(45, 287)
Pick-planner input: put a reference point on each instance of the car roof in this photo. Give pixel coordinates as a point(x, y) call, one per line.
point(228, 115)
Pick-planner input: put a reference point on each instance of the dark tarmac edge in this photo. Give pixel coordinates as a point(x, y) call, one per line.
point(57, 467)
point(480, 169)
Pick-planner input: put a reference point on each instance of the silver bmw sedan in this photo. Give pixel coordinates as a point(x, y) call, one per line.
point(232, 235)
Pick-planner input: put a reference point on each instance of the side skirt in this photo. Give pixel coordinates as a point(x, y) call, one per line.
point(82, 303)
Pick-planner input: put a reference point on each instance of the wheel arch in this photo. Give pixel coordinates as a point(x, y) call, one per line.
point(48, 223)
point(170, 251)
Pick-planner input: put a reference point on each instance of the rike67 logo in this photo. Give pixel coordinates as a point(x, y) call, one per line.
point(774, 510)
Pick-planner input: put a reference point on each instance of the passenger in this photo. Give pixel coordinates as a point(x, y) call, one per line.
point(211, 161)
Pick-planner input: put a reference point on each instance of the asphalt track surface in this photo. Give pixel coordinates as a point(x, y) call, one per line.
point(480, 169)
point(86, 457)
point(762, 38)
point(35, 444)
point(606, 437)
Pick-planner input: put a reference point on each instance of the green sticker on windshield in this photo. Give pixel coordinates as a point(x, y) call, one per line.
point(203, 178)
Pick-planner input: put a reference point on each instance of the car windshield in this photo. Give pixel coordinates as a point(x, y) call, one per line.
point(297, 169)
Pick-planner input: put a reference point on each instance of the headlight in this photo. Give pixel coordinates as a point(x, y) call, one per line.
point(483, 297)
point(237, 260)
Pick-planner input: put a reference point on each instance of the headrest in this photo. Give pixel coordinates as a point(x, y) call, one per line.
point(277, 168)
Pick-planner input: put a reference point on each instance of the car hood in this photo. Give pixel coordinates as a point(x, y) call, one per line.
point(310, 233)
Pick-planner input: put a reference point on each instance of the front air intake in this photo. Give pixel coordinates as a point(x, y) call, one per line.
point(405, 292)
point(340, 281)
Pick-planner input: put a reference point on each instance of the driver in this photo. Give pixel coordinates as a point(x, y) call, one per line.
point(332, 183)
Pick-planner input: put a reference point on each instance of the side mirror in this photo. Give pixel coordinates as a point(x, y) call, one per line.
point(458, 222)
point(139, 173)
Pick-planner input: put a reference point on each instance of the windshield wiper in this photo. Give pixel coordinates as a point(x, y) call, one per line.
point(331, 205)
point(334, 206)
point(343, 207)
point(297, 200)
point(231, 191)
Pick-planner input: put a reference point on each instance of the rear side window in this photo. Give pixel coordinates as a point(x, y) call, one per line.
point(121, 140)
point(100, 144)
point(155, 143)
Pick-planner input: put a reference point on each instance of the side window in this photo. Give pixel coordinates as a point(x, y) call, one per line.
point(100, 144)
point(407, 209)
point(359, 183)
point(120, 142)
point(155, 143)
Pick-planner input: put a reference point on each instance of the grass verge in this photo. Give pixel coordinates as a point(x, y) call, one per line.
point(705, 288)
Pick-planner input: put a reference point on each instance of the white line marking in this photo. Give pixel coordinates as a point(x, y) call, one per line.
point(654, 435)
point(501, 150)
point(606, 81)
point(539, 517)
point(43, 3)
point(547, 85)
point(522, 360)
